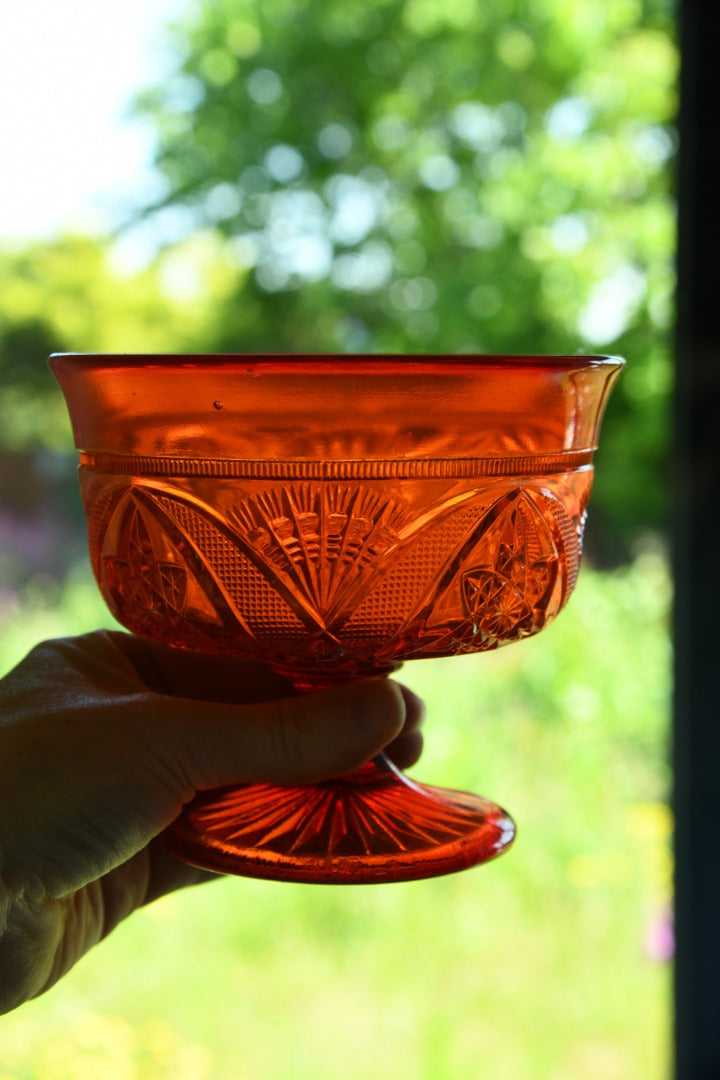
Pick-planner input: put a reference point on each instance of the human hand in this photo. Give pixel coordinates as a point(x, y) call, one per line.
point(104, 737)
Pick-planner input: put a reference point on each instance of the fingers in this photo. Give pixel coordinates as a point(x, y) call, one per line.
point(406, 748)
point(405, 751)
point(214, 720)
point(200, 676)
point(221, 678)
point(301, 739)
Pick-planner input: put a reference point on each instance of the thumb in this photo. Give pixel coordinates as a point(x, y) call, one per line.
point(301, 739)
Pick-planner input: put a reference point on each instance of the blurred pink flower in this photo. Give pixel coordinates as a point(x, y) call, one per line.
point(660, 938)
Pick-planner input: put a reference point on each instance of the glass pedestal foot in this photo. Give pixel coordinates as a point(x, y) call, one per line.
point(374, 825)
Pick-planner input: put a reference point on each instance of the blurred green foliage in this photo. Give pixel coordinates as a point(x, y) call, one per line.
point(459, 177)
point(549, 964)
point(67, 295)
point(395, 176)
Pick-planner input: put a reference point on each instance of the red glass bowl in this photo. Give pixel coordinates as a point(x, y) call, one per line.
point(335, 516)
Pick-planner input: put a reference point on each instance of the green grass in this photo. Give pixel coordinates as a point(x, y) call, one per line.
point(535, 967)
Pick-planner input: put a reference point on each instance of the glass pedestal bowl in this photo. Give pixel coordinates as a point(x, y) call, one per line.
point(335, 516)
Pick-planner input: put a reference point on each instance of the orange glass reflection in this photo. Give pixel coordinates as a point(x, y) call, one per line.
point(334, 517)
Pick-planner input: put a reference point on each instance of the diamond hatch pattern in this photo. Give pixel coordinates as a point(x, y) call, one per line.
point(339, 573)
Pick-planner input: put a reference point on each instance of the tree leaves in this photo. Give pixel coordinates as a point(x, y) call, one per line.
point(410, 176)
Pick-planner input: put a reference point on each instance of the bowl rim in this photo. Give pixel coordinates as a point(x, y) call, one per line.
point(356, 361)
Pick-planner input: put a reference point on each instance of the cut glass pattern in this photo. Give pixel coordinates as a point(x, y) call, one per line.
point(338, 574)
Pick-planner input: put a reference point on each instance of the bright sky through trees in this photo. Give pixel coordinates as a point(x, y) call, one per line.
point(68, 152)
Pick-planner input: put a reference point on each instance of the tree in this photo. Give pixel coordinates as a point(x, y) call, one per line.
point(405, 175)
point(66, 294)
